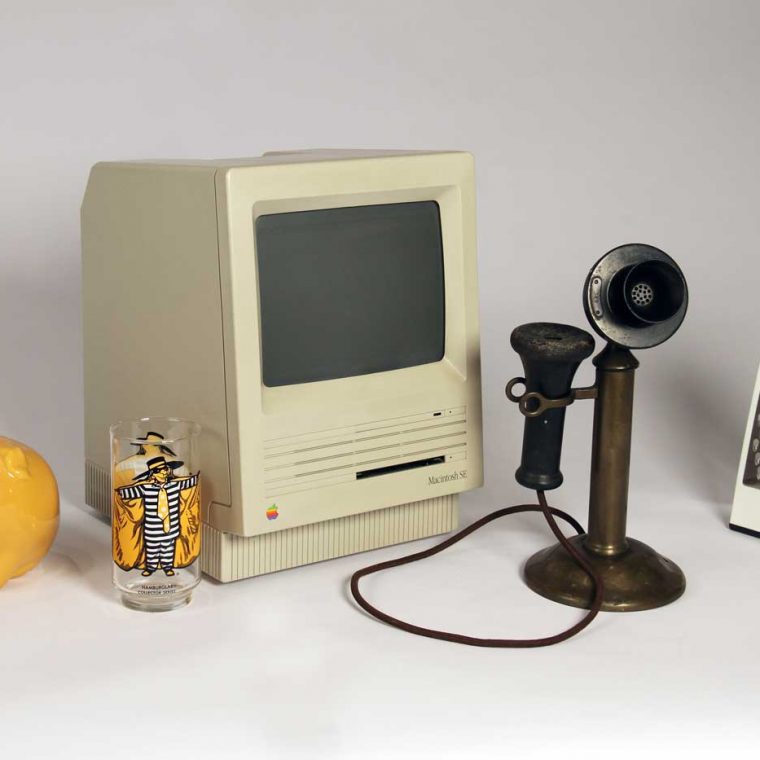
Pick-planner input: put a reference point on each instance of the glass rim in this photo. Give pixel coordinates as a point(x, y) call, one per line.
point(193, 428)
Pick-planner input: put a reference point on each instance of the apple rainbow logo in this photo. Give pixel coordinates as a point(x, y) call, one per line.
point(272, 513)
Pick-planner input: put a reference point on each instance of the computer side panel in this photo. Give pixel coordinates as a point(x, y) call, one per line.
point(153, 343)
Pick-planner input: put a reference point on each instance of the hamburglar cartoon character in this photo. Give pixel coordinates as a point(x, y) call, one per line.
point(157, 519)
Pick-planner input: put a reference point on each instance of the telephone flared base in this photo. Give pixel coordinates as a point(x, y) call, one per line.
point(637, 579)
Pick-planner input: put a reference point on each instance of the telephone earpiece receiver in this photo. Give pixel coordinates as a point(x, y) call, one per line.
point(635, 296)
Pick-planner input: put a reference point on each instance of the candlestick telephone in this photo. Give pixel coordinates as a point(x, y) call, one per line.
point(635, 297)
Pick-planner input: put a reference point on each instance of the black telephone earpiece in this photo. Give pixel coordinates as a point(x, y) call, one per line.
point(635, 296)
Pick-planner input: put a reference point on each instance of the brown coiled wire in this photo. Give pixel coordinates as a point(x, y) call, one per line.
point(549, 513)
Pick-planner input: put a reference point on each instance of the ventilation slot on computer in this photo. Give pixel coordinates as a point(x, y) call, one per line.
point(381, 447)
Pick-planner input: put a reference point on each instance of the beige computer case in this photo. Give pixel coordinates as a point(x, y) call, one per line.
point(171, 329)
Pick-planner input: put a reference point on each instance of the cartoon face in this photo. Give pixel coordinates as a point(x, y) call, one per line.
point(161, 474)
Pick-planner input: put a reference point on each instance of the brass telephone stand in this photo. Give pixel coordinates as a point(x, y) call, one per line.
point(635, 576)
point(635, 296)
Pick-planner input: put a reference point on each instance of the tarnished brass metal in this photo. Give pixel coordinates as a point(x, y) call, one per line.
point(637, 579)
point(611, 451)
point(509, 390)
point(534, 404)
point(635, 576)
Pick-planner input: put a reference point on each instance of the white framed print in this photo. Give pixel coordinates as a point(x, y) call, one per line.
point(745, 514)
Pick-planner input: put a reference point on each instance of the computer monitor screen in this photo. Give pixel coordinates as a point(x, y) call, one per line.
point(350, 291)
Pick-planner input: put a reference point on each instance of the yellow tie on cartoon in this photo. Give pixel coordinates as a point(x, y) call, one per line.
point(163, 508)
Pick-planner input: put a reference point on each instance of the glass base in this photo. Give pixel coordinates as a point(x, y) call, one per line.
point(155, 604)
point(156, 591)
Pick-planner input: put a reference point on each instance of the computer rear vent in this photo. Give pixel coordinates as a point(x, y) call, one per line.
point(375, 449)
point(228, 557)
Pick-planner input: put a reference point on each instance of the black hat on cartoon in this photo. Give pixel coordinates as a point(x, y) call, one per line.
point(156, 464)
point(153, 439)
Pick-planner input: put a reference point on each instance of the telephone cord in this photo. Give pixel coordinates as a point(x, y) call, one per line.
point(549, 513)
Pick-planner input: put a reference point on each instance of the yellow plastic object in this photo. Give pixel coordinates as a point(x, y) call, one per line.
point(28, 509)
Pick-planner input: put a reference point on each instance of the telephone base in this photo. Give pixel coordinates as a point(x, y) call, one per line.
point(637, 579)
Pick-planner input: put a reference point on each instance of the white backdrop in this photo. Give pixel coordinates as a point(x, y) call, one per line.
point(592, 124)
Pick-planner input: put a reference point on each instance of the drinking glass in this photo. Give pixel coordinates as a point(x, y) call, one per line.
point(156, 511)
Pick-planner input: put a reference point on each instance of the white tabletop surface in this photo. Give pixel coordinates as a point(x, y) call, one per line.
point(286, 665)
point(593, 124)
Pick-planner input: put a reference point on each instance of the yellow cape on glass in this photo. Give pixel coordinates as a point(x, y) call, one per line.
point(127, 522)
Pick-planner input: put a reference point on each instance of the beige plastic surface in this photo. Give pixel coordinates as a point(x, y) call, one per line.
point(228, 557)
point(171, 328)
point(152, 313)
